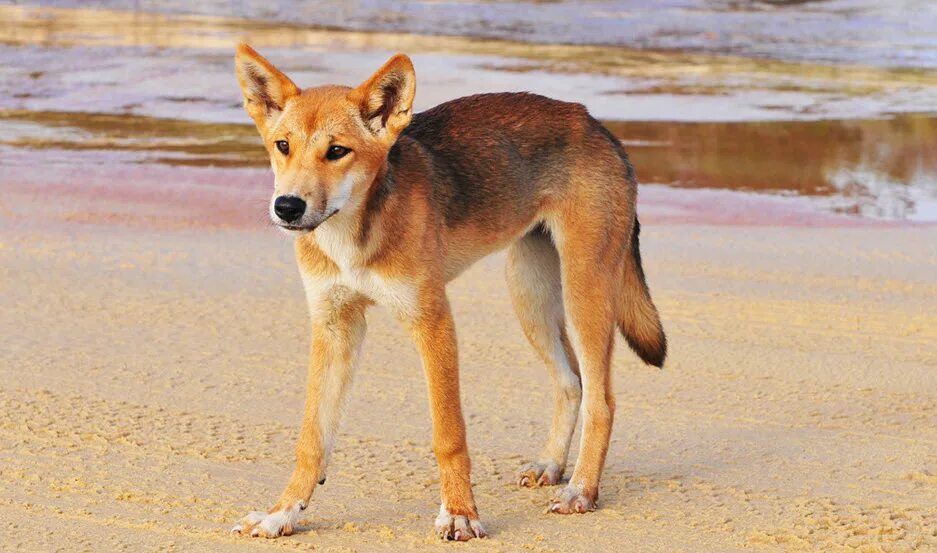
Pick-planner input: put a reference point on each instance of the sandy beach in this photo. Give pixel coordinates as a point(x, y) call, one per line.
point(153, 379)
point(155, 335)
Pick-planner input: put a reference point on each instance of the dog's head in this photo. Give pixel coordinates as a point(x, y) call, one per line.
point(326, 144)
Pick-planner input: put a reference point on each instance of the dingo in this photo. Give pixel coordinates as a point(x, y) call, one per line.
point(387, 207)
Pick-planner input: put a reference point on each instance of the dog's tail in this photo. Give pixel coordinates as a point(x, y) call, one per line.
point(638, 319)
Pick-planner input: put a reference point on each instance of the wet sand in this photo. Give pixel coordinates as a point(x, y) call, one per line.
point(865, 32)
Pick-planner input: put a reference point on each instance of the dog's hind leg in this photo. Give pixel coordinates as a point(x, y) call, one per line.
point(591, 250)
point(533, 276)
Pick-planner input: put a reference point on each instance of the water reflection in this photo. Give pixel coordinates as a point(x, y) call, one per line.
point(880, 168)
point(883, 168)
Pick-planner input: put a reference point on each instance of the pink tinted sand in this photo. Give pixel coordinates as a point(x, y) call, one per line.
point(100, 187)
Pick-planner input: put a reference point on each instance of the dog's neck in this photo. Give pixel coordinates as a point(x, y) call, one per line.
point(351, 237)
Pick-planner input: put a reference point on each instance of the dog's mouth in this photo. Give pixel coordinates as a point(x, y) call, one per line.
point(306, 228)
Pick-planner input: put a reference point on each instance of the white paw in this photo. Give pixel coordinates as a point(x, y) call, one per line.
point(271, 525)
point(458, 528)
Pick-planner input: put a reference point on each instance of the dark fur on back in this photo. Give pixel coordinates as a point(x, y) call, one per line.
point(499, 165)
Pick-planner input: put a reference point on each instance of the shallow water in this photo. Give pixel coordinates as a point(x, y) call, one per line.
point(86, 87)
point(871, 32)
point(148, 63)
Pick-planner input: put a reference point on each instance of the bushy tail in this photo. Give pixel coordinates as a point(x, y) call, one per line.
point(638, 319)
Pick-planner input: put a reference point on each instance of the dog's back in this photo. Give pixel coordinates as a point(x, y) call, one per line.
point(512, 151)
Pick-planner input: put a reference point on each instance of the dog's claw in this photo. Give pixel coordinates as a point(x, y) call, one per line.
point(458, 528)
point(277, 523)
point(247, 523)
point(545, 473)
point(571, 500)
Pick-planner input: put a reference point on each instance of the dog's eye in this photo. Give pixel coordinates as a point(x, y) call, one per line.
point(283, 146)
point(336, 152)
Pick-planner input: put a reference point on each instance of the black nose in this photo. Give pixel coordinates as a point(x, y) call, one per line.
point(289, 208)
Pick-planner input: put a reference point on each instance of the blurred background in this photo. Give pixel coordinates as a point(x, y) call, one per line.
point(733, 110)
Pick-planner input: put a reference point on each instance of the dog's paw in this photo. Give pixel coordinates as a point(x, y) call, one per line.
point(572, 499)
point(544, 473)
point(458, 528)
point(276, 523)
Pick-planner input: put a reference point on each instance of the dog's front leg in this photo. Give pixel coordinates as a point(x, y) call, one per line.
point(434, 332)
point(338, 328)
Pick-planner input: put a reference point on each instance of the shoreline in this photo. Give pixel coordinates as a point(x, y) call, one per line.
point(237, 200)
point(715, 173)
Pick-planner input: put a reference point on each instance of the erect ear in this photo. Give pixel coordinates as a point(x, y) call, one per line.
point(386, 99)
point(266, 90)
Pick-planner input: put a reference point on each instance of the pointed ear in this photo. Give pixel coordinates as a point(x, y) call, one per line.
point(386, 99)
point(266, 90)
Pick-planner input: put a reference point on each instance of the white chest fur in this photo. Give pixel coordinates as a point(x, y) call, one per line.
point(338, 244)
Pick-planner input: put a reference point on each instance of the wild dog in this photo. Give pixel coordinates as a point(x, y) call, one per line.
point(387, 207)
